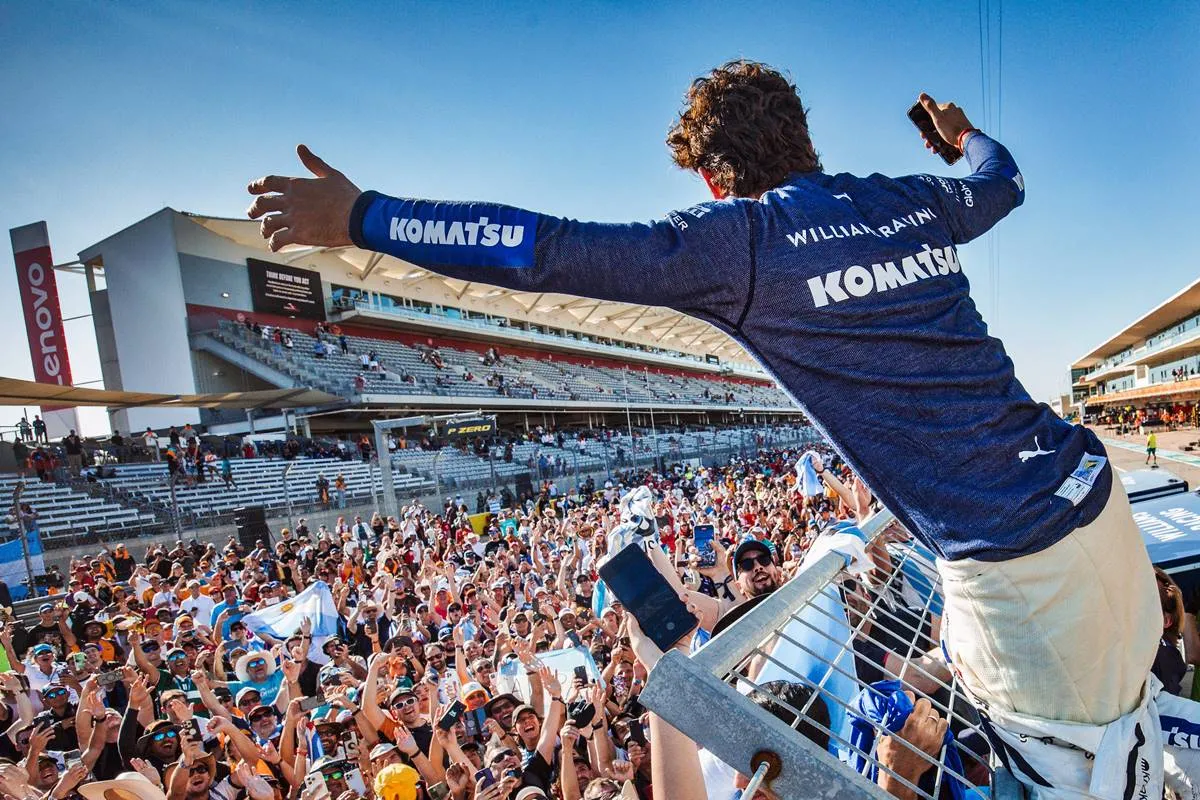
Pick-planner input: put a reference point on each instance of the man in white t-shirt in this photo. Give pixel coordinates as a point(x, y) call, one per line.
point(199, 606)
point(150, 440)
point(163, 595)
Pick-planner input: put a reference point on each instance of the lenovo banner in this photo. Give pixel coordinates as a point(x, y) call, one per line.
point(43, 317)
point(288, 291)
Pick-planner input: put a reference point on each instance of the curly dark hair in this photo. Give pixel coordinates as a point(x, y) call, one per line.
point(745, 125)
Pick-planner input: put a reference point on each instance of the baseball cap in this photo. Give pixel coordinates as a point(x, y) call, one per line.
point(521, 709)
point(41, 649)
point(244, 691)
point(747, 547)
point(399, 692)
point(381, 750)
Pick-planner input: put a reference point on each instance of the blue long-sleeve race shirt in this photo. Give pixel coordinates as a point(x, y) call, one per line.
point(850, 292)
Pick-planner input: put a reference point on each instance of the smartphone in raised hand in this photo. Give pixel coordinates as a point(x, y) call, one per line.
point(702, 537)
point(452, 716)
point(920, 117)
point(647, 595)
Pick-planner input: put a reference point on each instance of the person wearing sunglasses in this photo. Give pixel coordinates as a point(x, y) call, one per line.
point(194, 777)
point(754, 565)
point(264, 725)
point(159, 745)
point(59, 713)
point(257, 670)
point(334, 773)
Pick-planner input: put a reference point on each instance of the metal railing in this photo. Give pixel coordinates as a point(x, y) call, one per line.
point(814, 619)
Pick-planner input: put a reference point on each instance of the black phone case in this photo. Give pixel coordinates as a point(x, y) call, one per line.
point(667, 619)
point(946, 151)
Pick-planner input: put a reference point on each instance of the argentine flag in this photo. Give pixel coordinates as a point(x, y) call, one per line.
point(281, 621)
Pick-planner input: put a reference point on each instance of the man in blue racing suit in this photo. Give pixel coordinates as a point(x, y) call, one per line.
point(849, 290)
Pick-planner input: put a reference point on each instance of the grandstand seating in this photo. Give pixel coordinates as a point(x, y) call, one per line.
point(64, 512)
point(260, 482)
point(524, 376)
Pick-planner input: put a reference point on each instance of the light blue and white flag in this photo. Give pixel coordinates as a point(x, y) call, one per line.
point(511, 676)
point(281, 621)
point(12, 561)
point(810, 481)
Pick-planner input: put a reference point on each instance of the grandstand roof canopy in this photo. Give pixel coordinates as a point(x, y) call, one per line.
point(651, 325)
point(16, 392)
point(1180, 306)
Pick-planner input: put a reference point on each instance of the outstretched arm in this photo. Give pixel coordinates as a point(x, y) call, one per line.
point(698, 260)
point(970, 206)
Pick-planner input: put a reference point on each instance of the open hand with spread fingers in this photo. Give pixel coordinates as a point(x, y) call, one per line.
point(309, 211)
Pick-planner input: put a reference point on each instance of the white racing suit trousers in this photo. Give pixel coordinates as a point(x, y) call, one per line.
point(1056, 648)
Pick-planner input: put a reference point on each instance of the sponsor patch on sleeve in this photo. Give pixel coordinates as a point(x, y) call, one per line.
point(1089, 468)
point(470, 234)
point(1082, 479)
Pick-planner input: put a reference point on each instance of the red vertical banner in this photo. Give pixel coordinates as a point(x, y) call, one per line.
point(39, 303)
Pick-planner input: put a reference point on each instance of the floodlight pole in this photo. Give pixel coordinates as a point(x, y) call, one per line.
point(20, 488)
point(287, 494)
point(178, 523)
point(657, 465)
point(629, 419)
point(437, 474)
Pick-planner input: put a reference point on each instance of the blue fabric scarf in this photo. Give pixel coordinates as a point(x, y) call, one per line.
point(885, 704)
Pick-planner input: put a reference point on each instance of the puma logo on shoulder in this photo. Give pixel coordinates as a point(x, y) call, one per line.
point(1025, 455)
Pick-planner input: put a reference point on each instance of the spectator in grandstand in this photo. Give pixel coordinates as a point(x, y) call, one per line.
point(20, 452)
point(39, 430)
point(150, 442)
point(43, 464)
point(339, 486)
point(117, 445)
point(322, 490)
point(24, 429)
point(73, 447)
point(123, 563)
point(227, 472)
point(199, 464)
point(318, 349)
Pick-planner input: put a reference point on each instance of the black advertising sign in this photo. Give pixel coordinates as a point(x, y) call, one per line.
point(288, 291)
point(476, 426)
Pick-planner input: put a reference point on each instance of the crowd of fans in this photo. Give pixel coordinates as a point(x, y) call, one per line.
point(151, 676)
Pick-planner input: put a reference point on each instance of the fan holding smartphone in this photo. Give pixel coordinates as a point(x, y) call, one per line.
point(632, 577)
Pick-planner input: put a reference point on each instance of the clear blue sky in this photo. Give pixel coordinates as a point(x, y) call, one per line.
point(112, 111)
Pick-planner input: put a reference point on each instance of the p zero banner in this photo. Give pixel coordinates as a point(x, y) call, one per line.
point(477, 426)
point(43, 316)
point(284, 290)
